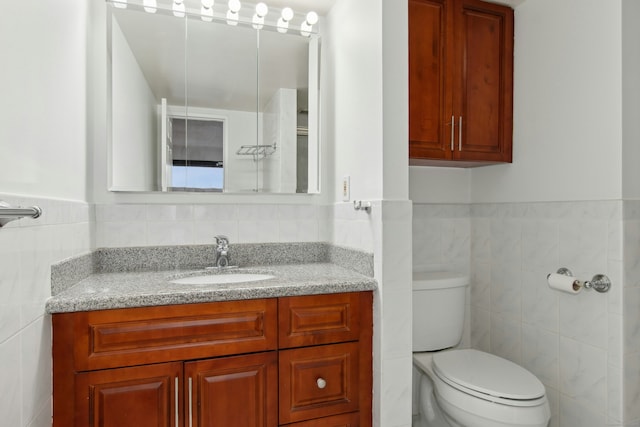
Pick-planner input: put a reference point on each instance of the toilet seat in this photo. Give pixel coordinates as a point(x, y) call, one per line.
point(488, 377)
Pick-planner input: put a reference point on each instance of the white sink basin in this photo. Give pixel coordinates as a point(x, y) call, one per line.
point(213, 279)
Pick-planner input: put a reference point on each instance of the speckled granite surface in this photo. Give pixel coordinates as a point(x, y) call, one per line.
point(242, 254)
point(141, 276)
point(67, 273)
point(137, 289)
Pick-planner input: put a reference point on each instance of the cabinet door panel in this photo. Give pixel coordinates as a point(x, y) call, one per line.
point(234, 391)
point(431, 52)
point(144, 396)
point(486, 75)
point(318, 381)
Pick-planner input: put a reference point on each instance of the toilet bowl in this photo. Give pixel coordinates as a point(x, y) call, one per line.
point(464, 387)
point(476, 389)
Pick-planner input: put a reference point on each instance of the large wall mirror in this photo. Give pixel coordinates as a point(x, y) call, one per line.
point(204, 101)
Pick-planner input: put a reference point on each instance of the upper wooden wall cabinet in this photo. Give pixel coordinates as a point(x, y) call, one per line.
point(460, 83)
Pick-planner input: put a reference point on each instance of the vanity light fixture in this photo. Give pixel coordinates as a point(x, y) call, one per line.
point(150, 6)
point(206, 12)
point(178, 8)
point(232, 13)
point(283, 22)
point(307, 26)
point(258, 17)
point(120, 4)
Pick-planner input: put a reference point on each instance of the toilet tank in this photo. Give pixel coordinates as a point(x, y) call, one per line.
point(438, 309)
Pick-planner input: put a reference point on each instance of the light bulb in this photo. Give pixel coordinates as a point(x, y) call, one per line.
point(150, 6)
point(207, 4)
point(120, 4)
point(312, 18)
point(206, 14)
point(287, 14)
point(178, 9)
point(261, 10)
point(234, 5)
point(283, 22)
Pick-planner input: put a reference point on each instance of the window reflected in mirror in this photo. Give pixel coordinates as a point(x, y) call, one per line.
point(197, 147)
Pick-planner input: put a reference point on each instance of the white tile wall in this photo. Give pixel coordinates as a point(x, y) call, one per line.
point(443, 241)
point(28, 247)
point(160, 225)
point(571, 342)
point(386, 232)
point(631, 313)
point(441, 238)
point(574, 344)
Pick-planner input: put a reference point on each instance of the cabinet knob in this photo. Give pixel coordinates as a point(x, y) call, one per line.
point(321, 383)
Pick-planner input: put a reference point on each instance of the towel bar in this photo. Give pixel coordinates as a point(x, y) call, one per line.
point(9, 213)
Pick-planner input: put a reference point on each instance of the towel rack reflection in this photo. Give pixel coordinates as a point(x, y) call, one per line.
point(9, 213)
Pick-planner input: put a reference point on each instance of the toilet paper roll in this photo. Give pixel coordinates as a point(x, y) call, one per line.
point(564, 283)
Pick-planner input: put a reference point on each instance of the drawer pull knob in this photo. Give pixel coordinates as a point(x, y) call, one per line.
point(321, 383)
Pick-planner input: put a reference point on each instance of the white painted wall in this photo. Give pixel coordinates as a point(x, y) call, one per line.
point(395, 97)
point(134, 115)
point(567, 106)
point(353, 111)
point(630, 99)
point(43, 87)
point(43, 91)
point(439, 185)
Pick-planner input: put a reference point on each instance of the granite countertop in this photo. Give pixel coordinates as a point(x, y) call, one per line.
point(101, 291)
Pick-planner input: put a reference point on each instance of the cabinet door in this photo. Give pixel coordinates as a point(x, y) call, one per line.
point(144, 396)
point(318, 381)
point(239, 391)
point(431, 62)
point(485, 79)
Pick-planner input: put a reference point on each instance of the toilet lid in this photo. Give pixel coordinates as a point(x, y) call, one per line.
point(487, 374)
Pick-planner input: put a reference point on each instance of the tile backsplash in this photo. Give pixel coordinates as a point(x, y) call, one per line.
point(574, 344)
point(161, 225)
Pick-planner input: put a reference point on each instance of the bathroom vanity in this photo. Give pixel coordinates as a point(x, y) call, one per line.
point(263, 354)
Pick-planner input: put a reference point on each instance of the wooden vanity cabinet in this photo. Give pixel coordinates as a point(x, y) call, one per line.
point(251, 363)
point(460, 82)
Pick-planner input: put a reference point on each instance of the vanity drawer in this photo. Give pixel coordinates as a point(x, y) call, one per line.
point(318, 381)
point(319, 319)
point(128, 337)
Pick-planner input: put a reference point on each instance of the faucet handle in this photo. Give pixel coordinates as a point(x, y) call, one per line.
point(221, 240)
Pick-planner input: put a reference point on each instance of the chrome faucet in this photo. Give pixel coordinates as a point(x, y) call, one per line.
point(222, 251)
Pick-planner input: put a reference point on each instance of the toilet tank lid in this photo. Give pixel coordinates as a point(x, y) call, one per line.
point(438, 280)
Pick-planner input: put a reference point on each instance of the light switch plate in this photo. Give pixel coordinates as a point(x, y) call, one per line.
point(346, 188)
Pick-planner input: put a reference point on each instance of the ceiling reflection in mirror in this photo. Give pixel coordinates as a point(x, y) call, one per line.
point(211, 107)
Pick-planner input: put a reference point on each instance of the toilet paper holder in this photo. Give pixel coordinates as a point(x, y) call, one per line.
point(599, 282)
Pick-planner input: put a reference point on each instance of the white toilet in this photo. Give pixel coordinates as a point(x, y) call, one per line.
point(464, 388)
